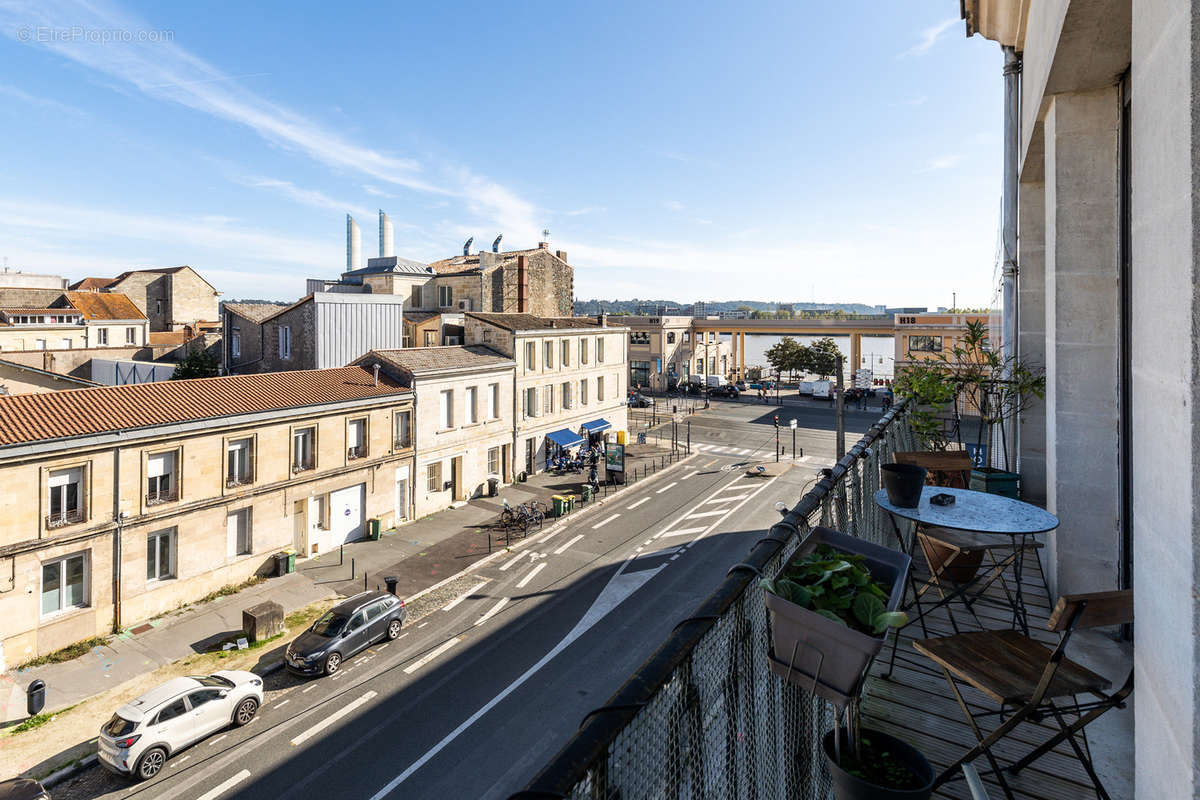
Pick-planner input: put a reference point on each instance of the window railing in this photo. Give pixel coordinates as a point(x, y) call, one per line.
point(704, 716)
point(165, 496)
point(403, 441)
point(304, 464)
point(241, 479)
point(68, 517)
point(358, 451)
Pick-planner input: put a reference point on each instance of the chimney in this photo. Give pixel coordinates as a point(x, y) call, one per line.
point(376, 374)
point(561, 255)
point(602, 318)
point(543, 245)
point(522, 286)
point(496, 244)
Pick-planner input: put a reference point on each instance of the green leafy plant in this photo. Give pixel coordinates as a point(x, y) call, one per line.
point(839, 587)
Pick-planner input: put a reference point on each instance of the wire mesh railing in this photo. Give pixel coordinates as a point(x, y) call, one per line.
point(704, 717)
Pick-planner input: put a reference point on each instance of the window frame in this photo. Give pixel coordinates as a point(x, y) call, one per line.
point(248, 477)
point(446, 410)
point(237, 546)
point(471, 400)
point(599, 349)
point(431, 469)
point(157, 496)
point(493, 401)
point(405, 441)
point(362, 448)
point(493, 460)
point(309, 432)
point(583, 391)
point(447, 292)
point(284, 336)
point(131, 335)
point(548, 354)
point(85, 584)
point(172, 537)
point(67, 516)
point(102, 336)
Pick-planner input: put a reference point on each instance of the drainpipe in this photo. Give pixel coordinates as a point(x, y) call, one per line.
point(119, 518)
point(1012, 135)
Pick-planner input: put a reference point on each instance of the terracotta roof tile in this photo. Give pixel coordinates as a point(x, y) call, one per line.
point(80, 412)
point(426, 359)
point(165, 338)
point(106, 305)
point(91, 284)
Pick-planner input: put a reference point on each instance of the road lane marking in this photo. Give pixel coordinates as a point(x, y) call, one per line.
point(226, 785)
point(422, 625)
point(570, 542)
point(680, 532)
point(282, 703)
point(638, 503)
point(309, 689)
point(431, 655)
point(689, 475)
point(725, 499)
point(699, 514)
point(219, 738)
point(668, 486)
point(464, 596)
point(512, 561)
point(492, 611)
point(185, 758)
point(529, 575)
point(709, 464)
point(349, 708)
point(602, 523)
point(665, 552)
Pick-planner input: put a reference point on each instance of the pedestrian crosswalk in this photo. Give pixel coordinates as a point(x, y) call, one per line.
point(761, 454)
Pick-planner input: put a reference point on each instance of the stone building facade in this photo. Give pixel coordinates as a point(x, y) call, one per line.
point(126, 502)
point(170, 297)
point(463, 425)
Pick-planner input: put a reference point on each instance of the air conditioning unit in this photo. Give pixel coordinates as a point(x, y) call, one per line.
point(464, 304)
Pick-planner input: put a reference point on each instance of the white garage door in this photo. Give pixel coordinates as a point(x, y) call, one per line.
point(346, 521)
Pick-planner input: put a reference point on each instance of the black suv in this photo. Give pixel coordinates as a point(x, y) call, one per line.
point(343, 630)
point(725, 390)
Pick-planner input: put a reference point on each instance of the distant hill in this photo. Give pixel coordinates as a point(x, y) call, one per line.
point(587, 307)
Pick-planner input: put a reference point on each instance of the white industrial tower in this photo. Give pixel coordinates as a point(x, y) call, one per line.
point(353, 244)
point(385, 236)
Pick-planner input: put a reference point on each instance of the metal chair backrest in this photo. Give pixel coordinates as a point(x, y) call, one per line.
point(1092, 610)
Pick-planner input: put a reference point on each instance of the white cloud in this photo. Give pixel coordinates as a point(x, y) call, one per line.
point(44, 102)
point(376, 191)
point(579, 212)
point(674, 205)
point(164, 71)
point(943, 162)
point(929, 37)
point(308, 197)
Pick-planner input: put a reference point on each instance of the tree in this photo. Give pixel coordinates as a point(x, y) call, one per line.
point(822, 357)
point(197, 364)
point(785, 355)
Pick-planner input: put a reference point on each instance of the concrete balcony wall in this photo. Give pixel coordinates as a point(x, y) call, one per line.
point(1166, 432)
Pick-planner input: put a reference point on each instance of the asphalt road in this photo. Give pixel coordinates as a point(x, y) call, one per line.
point(474, 698)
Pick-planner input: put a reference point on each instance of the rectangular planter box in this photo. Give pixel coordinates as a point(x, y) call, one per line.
point(996, 481)
point(804, 642)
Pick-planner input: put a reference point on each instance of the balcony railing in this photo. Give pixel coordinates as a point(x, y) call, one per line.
point(359, 451)
point(68, 517)
point(304, 464)
point(403, 442)
point(704, 717)
point(242, 479)
point(167, 496)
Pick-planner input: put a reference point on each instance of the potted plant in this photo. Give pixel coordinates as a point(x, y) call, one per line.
point(974, 377)
point(831, 608)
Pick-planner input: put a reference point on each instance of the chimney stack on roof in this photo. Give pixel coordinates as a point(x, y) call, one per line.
point(561, 255)
point(376, 374)
point(467, 246)
point(496, 244)
point(386, 236)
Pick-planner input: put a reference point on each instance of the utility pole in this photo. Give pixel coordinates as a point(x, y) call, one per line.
point(841, 412)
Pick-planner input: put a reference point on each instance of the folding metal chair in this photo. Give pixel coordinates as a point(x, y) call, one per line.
point(1025, 675)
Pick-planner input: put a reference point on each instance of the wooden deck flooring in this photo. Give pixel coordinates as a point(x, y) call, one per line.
point(916, 704)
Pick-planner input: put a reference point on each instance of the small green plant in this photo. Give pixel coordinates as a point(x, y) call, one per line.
point(839, 587)
point(71, 651)
point(38, 720)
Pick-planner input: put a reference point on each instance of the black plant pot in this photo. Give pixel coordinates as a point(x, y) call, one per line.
point(903, 483)
point(852, 787)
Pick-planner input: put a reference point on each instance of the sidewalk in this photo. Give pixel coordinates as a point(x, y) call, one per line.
point(420, 554)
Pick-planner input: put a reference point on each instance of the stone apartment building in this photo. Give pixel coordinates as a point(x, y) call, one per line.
point(665, 352)
point(570, 379)
point(463, 412)
point(533, 281)
point(320, 331)
point(125, 502)
point(172, 298)
point(51, 319)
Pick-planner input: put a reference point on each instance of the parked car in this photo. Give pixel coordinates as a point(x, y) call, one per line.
point(23, 789)
point(343, 630)
point(740, 386)
point(639, 400)
point(726, 390)
point(695, 388)
point(147, 731)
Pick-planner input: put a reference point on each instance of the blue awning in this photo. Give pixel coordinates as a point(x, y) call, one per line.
point(597, 425)
point(565, 438)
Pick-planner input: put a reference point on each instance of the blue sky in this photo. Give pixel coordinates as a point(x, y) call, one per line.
point(842, 152)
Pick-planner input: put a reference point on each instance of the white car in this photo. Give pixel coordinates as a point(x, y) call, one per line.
point(147, 731)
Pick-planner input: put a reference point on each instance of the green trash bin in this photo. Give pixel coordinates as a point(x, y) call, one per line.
point(587, 493)
point(291, 561)
point(559, 505)
point(373, 530)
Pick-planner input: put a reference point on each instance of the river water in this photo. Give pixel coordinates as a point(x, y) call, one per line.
point(878, 352)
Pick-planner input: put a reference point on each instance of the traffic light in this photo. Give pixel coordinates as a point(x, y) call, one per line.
point(776, 418)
